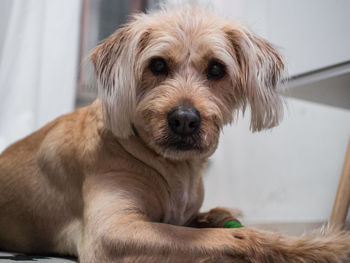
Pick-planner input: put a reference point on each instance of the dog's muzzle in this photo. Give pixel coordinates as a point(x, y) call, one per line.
point(184, 120)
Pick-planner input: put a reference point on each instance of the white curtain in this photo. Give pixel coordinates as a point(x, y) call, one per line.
point(39, 45)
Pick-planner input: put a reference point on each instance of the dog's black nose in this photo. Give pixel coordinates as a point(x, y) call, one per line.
point(184, 120)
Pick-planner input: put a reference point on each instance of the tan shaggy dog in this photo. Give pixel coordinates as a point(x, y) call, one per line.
point(121, 179)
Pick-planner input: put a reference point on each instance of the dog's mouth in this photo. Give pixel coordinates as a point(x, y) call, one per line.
point(182, 143)
point(183, 146)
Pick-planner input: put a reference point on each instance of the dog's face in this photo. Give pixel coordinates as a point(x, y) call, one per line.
point(177, 77)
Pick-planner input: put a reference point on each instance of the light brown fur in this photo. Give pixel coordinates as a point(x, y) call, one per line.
point(102, 183)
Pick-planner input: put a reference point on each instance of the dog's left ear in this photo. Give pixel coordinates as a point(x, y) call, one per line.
point(118, 73)
point(260, 70)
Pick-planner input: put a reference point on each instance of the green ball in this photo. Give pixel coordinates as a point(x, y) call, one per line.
point(232, 224)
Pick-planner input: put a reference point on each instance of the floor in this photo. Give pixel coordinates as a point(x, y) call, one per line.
point(21, 258)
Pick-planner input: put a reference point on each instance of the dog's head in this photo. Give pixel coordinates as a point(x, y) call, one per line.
point(177, 77)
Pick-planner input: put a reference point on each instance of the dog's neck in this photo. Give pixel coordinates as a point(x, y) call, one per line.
point(135, 146)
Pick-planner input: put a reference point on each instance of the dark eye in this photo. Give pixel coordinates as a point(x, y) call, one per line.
point(215, 70)
point(158, 67)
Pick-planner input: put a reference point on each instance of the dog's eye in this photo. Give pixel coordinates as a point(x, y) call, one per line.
point(158, 66)
point(216, 70)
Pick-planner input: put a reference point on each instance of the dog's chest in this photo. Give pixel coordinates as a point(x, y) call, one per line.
point(185, 196)
point(179, 185)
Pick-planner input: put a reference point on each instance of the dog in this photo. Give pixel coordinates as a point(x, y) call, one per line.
point(121, 180)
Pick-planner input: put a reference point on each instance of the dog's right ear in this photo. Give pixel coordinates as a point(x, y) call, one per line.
point(117, 75)
point(261, 68)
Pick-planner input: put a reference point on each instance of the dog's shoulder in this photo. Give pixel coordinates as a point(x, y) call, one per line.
point(62, 138)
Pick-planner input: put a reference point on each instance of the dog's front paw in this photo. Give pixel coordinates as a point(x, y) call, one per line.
point(220, 217)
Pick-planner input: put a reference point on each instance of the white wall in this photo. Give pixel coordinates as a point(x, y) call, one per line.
point(39, 47)
point(287, 174)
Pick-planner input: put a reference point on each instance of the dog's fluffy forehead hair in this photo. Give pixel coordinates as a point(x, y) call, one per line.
point(184, 19)
point(185, 33)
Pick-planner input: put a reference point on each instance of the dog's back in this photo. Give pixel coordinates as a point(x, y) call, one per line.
point(39, 186)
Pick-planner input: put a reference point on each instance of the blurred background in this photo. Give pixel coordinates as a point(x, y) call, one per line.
point(285, 177)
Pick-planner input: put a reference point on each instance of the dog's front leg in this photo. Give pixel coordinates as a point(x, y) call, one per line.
point(120, 226)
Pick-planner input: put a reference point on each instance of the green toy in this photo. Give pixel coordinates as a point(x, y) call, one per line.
point(226, 221)
point(232, 224)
